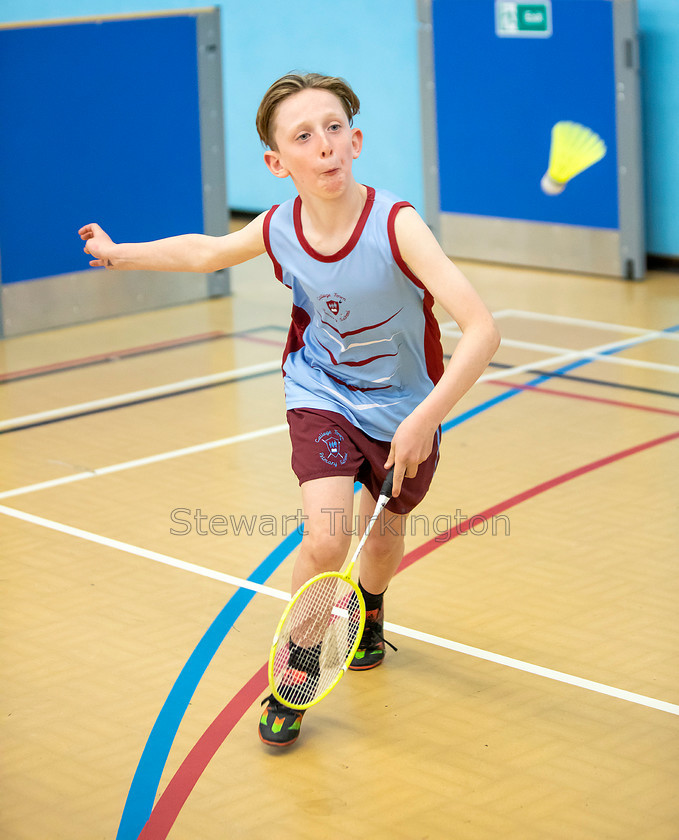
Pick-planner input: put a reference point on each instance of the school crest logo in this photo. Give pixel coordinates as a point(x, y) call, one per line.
point(336, 305)
point(332, 453)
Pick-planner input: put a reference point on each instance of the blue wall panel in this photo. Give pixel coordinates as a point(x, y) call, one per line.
point(498, 98)
point(659, 22)
point(259, 42)
point(373, 45)
point(99, 122)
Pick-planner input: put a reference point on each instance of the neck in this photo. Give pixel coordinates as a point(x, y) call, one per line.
point(328, 215)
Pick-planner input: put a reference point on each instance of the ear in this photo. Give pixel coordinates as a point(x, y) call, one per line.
point(273, 161)
point(356, 141)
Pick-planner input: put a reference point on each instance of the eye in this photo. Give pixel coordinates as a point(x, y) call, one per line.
point(335, 127)
point(303, 136)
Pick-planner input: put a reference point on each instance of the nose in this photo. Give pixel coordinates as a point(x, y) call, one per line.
point(326, 148)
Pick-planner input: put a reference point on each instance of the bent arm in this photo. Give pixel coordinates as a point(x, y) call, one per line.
point(189, 252)
point(480, 339)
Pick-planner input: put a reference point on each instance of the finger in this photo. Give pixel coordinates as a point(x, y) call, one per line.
point(399, 475)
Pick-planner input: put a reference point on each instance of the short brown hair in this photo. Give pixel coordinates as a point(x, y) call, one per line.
point(293, 83)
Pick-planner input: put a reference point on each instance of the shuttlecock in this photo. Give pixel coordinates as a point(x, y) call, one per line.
point(574, 148)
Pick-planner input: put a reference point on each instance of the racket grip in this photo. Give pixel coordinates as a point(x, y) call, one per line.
point(388, 485)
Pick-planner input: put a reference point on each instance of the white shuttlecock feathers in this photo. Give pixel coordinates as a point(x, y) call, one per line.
point(574, 148)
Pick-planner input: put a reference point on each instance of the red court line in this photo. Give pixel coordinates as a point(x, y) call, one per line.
point(603, 400)
point(426, 548)
point(184, 780)
point(170, 803)
point(112, 355)
point(258, 340)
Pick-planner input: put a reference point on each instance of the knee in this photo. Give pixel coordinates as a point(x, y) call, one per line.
point(325, 552)
point(384, 552)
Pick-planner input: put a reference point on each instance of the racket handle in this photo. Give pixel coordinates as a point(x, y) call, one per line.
point(388, 485)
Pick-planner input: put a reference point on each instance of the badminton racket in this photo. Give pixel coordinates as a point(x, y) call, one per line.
point(320, 630)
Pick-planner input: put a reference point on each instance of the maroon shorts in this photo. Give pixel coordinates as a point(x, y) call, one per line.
point(325, 443)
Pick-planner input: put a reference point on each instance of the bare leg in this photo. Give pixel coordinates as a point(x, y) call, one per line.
point(383, 550)
point(328, 506)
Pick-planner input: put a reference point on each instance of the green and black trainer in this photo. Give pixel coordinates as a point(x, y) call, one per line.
point(371, 648)
point(279, 725)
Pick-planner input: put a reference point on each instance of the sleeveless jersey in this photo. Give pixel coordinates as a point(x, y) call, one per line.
point(363, 341)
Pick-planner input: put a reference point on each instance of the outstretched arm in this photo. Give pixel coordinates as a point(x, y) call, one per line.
point(413, 440)
point(188, 252)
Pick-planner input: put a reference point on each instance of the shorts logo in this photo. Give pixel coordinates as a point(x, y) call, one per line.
point(333, 441)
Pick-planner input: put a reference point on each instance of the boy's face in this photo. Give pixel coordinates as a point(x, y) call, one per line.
point(315, 145)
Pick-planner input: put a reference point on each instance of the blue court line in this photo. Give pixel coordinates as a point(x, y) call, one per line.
point(542, 378)
point(605, 383)
point(144, 786)
point(146, 779)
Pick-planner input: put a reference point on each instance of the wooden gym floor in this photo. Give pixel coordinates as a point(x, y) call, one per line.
point(535, 691)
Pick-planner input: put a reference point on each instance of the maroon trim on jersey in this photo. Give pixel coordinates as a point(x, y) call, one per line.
point(299, 321)
point(433, 352)
point(362, 329)
point(353, 239)
point(396, 253)
point(278, 269)
point(355, 387)
point(361, 363)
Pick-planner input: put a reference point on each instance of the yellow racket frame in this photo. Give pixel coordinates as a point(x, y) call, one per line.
point(346, 577)
point(385, 495)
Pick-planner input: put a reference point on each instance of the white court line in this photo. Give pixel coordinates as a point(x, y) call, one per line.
point(538, 670)
point(478, 653)
point(581, 322)
point(266, 367)
point(567, 319)
point(497, 314)
point(160, 390)
point(144, 552)
point(191, 450)
point(564, 358)
point(636, 363)
point(141, 462)
point(587, 353)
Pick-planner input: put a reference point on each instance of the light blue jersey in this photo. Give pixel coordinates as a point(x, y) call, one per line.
point(363, 341)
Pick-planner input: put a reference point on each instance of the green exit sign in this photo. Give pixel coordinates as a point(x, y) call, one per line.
point(514, 19)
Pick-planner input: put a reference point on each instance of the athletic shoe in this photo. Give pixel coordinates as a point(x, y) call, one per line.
point(371, 649)
point(279, 725)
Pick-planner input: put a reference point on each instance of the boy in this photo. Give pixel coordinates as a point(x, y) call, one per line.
point(363, 369)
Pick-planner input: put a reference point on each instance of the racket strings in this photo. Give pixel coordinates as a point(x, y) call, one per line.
point(316, 640)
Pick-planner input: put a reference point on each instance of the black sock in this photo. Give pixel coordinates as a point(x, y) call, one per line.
point(372, 602)
point(303, 658)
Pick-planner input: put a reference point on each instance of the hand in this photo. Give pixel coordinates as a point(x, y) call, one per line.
point(411, 445)
point(99, 245)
